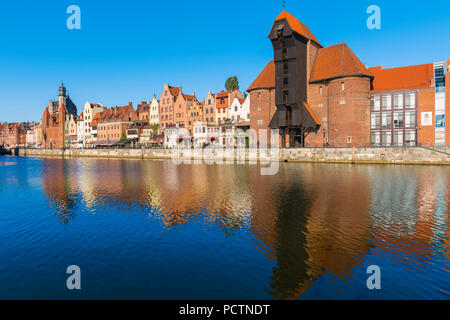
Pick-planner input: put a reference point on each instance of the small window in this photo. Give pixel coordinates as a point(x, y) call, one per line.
point(342, 86)
point(349, 139)
point(342, 101)
point(321, 90)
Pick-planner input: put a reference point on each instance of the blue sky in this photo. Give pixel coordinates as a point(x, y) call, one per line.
point(126, 50)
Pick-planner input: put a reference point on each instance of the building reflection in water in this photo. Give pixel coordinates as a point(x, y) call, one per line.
point(310, 220)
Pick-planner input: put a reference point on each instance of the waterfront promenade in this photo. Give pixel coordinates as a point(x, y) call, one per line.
point(411, 155)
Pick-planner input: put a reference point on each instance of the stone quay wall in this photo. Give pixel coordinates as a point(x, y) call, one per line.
point(416, 155)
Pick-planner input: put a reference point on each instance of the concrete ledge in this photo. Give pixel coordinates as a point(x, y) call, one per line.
point(437, 156)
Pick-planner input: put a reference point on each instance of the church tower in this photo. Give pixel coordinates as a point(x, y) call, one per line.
point(62, 95)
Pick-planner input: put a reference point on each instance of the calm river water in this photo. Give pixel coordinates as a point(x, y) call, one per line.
point(153, 229)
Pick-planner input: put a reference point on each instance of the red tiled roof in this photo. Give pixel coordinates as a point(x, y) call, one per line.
point(266, 78)
point(174, 90)
point(223, 105)
point(188, 96)
point(411, 77)
point(80, 117)
point(222, 94)
point(335, 62)
point(297, 26)
point(95, 120)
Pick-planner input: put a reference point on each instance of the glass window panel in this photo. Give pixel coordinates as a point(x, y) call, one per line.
point(387, 102)
point(386, 138)
point(398, 119)
point(398, 101)
point(410, 100)
point(410, 119)
point(375, 138)
point(410, 137)
point(376, 103)
point(387, 120)
point(375, 120)
point(398, 138)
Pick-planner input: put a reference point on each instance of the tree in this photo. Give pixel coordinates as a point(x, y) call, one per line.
point(155, 129)
point(123, 136)
point(232, 83)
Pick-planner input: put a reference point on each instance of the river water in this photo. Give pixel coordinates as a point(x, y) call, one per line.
point(157, 230)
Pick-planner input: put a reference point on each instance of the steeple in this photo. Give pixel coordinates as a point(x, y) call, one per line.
point(62, 90)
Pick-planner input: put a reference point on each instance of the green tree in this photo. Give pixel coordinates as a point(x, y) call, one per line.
point(232, 83)
point(123, 136)
point(155, 129)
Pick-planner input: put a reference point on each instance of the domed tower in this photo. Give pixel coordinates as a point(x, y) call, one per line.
point(62, 95)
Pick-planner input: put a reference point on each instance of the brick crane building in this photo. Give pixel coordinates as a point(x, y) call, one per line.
point(324, 96)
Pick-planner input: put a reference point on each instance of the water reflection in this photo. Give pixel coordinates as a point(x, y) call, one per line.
point(309, 220)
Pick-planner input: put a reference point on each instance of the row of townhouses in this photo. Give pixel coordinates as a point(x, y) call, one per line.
point(313, 95)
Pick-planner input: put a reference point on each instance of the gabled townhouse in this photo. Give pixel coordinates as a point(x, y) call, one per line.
point(223, 103)
point(143, 111)
point(209, 108)
point(195, 113)
point(80, 131)
point(72, 137)
point(94, 129)
point(166, 105)
point(90, 110)
point(239, 110)
point(182, 110)
point(154, 111)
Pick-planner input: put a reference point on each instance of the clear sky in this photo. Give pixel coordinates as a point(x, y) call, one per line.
point(126, 50)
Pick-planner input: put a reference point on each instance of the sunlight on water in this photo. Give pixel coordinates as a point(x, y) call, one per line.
point(152, 229)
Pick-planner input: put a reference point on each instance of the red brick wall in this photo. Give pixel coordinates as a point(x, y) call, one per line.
point(426, 103)
point(265, 99)
point(53, 131)
point(318, 103)
point(340, 121)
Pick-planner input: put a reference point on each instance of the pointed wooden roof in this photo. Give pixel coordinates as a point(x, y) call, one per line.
point(297, 26)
